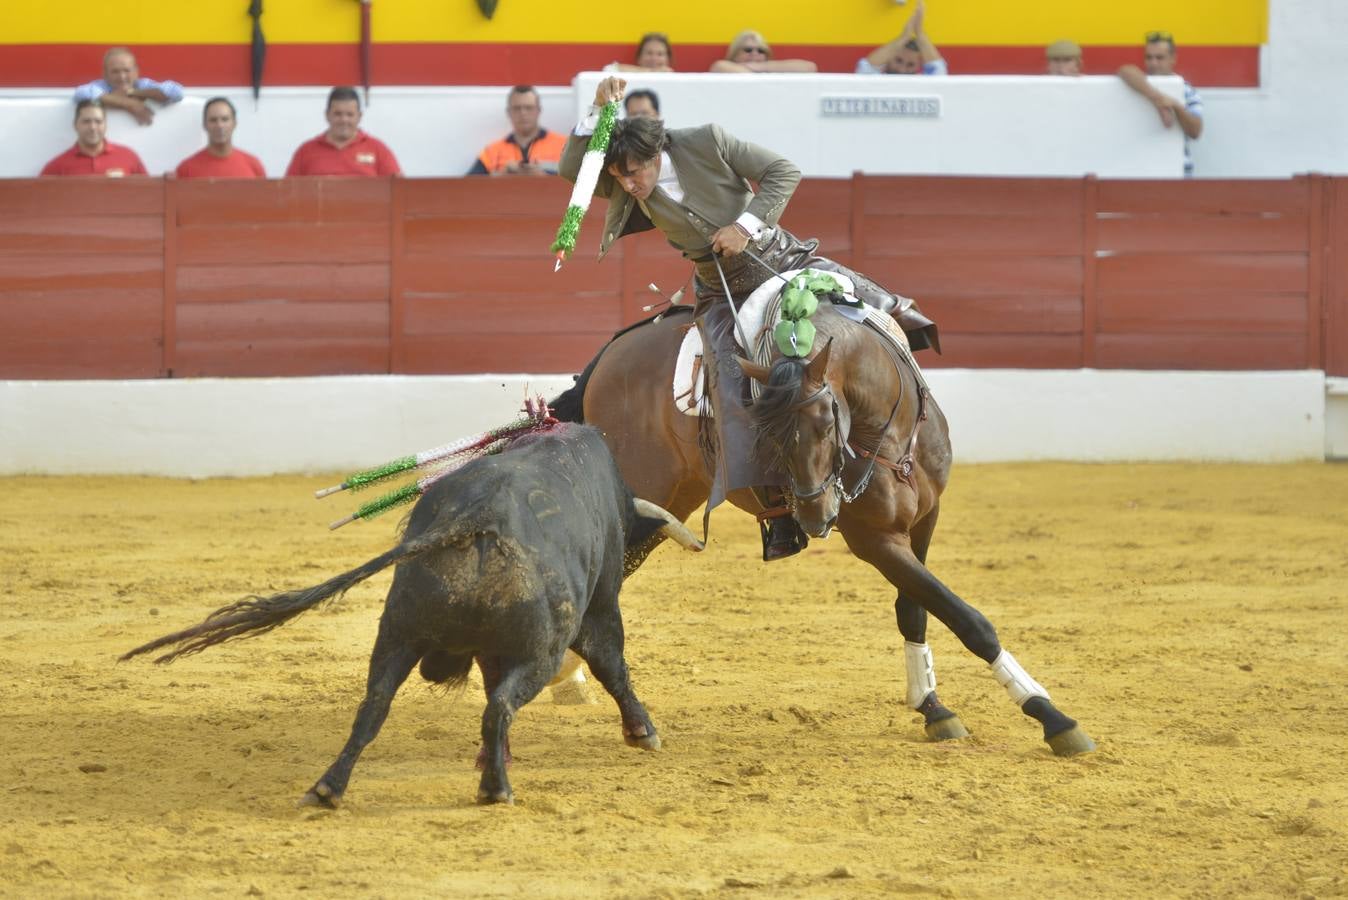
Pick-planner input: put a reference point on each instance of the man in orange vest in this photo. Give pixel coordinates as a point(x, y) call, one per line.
point(528, 149)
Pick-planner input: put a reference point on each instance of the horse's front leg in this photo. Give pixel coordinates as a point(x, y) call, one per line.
point(939, 721)
point(893, 555)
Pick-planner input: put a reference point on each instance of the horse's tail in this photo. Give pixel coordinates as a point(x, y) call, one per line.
point(569, 405)
point(256, 615)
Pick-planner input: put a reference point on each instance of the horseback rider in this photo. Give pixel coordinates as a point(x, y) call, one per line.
point(693, 185)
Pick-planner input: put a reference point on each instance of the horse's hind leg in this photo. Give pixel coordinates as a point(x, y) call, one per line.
point(390, 664)
point(895, 558)
point(940, 723)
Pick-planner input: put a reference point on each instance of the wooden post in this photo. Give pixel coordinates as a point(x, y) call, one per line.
point(1315, 269)
point(1090, 238)
point(858, 230)
point(397, 253)
point(169, 351)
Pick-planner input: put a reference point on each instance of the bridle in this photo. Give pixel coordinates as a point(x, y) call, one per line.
point(843, 449)
point(834, 478)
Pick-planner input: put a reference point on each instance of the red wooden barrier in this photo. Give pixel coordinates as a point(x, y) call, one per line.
point(142, 278)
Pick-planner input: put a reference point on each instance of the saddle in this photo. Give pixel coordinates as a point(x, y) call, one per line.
point(759, 315)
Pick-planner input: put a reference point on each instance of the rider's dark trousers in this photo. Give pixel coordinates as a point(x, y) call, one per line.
point(779, 251)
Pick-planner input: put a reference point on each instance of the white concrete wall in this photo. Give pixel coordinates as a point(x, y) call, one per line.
point(988, 125)
point(219, 427)
point(433, 131)
point(1004, 125)
point(1297, 121)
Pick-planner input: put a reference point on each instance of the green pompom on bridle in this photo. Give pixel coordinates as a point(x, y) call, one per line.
point(794, 334)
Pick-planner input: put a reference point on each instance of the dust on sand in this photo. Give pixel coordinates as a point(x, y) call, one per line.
point(1191, 617)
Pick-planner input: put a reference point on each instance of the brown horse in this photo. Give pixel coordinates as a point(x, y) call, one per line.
point(854, 424)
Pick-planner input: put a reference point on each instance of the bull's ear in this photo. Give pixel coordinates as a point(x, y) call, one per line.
point(754, 370)
point(819, 365)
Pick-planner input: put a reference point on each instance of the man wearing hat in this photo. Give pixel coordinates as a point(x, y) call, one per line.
point(1064, 58)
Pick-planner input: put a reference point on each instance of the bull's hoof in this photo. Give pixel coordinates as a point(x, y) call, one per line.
point(320, 795)
point(486, 798)
point(1071, 742)
point(947, 729)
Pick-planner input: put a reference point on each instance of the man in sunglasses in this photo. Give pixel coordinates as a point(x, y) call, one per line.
point(1188, 113)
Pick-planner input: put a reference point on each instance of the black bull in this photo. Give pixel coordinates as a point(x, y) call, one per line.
point(511, 559)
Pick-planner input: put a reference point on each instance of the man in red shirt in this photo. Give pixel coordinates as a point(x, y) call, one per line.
point(92, 154)
point(343, 149)
point(220, 159)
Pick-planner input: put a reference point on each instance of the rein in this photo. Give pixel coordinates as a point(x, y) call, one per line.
point(903, 467)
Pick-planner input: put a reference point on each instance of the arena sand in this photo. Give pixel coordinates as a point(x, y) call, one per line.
point(1191, 617)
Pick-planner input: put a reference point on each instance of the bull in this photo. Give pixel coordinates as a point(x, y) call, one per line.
point(510, 560)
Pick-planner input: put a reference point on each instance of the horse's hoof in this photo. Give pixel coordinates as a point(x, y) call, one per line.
point(947, 729)
point(320, 795)
point(1071, 742)
point(486, 798)
point(645, 742)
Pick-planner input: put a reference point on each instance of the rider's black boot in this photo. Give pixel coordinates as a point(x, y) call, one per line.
point(782, 535)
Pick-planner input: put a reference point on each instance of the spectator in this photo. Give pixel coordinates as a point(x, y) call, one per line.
point(654, 54)
point(749, 52)
point(92, 154)
point(343, 149)
point(121, 87)
point(911, 53)
point(642, 103)
point(1160, 55)
point(528, 149)
point(220, 159)
point(1064, 58)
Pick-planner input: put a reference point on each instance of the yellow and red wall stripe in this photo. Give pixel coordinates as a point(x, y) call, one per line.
point(450, 42)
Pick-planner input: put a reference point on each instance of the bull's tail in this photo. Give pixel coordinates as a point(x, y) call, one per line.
point(258, 615)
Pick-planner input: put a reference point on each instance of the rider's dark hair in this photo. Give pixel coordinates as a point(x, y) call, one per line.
point(635, 142)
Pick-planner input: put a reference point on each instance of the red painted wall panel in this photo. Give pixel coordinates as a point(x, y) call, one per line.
point(327, 276)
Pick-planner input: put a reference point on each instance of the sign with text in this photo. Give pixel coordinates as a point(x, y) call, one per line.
point(871, 106)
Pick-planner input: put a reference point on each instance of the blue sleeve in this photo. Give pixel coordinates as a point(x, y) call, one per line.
point(478, 168)
point(173, 91)
point(91, 91)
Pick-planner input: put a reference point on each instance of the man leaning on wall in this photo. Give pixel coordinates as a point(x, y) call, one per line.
point(121, 87)
point(1159, 56)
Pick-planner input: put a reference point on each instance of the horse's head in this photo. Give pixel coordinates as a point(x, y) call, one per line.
point(802, 424)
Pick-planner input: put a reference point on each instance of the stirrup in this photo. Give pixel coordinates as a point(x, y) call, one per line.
point(788, 540)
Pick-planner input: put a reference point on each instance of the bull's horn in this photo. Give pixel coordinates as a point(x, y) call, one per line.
point(672, 528)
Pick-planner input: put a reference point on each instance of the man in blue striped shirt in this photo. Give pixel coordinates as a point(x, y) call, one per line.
point(1160, 60)
point(121, 87)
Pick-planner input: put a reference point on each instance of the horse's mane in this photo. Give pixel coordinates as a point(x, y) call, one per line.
point(774, 413)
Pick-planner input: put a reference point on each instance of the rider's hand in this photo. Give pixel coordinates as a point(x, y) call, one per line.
point(610, 89)
point(730, 240)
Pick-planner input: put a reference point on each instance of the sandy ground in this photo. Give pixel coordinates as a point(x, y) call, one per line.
point(1193, 618)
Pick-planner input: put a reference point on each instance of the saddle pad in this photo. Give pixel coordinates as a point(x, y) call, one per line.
point(758, 315)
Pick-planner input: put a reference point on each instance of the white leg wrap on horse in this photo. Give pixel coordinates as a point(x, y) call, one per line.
point(921, 672)
point(1015, 679)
